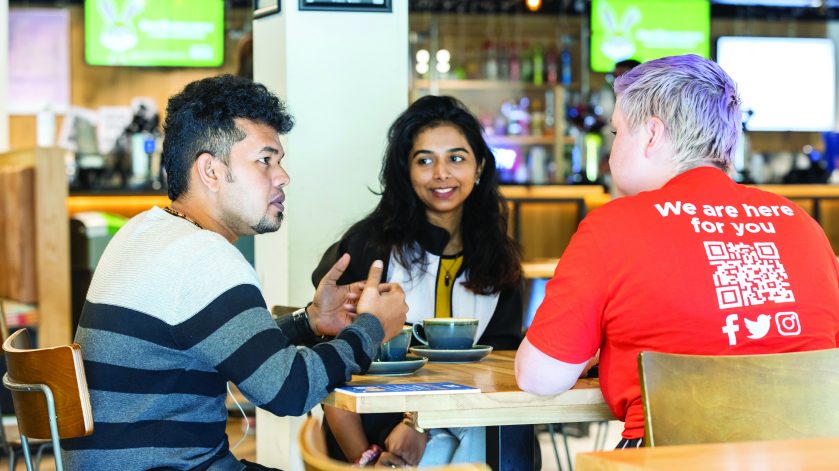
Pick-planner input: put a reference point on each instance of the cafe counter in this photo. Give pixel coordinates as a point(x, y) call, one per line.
point(542, 218)
point(127, 204)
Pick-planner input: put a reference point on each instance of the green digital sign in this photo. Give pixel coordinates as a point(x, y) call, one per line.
point(166, 33)
point(647, 29)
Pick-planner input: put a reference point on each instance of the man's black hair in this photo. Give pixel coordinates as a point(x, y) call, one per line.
point(201, 118)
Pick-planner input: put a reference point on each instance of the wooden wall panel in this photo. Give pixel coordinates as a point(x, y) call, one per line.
point(829, 220)
point(17, 225)
point(546, 228)
point(49, 236)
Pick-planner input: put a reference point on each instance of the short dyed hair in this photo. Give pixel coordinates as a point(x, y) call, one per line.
point(694, 98)
point(201, 118)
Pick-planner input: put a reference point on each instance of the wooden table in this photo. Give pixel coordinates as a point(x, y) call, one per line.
point(500, 403)
point(801, 455)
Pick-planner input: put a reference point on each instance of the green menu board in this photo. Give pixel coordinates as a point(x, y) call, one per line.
point(647, 29)
point(168, 33)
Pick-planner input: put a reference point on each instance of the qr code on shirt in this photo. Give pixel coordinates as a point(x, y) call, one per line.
point(748, 274)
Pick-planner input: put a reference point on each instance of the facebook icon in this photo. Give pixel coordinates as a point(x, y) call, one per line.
point(731, 328)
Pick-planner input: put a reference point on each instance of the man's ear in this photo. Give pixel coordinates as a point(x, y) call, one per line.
point(208, 170)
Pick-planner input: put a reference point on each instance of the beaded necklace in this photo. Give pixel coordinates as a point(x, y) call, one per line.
point(176, 213)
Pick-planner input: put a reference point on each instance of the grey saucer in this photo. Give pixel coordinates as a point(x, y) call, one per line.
point(397, 368)
point(465, 355)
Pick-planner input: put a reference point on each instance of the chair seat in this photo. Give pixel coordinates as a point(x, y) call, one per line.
point(49, 391)
point(692, 399)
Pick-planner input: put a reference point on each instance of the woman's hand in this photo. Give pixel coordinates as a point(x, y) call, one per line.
point(389, 460)
point(406, 443)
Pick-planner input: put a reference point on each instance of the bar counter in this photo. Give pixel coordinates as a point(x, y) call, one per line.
point(126, 204)
point(542, 218)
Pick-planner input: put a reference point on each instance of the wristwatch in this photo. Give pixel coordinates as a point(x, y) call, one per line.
point(410, 420)
point(301, 323)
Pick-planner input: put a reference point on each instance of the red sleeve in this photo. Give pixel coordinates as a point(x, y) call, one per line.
point(567, 325)
point(830, 255)
point(836, 271)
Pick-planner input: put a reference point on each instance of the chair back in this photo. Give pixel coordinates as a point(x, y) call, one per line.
point(315, 458)
point(61, 369)
point(692, 399)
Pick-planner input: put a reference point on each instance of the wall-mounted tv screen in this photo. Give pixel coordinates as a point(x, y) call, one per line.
point(781, 3)
point(154, 33)
point(647, 29)
point(788, 84)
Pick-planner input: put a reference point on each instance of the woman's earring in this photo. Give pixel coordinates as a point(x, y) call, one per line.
point(477, 181)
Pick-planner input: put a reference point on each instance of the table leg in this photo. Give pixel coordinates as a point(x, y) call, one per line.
point(511, 448)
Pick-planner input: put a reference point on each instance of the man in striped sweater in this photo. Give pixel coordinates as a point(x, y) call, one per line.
point(174, 311)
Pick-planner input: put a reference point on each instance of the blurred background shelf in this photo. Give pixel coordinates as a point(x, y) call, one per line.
point(504, 85)
point(528, 140)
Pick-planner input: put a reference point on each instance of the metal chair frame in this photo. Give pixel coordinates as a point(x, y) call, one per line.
point(47, 392)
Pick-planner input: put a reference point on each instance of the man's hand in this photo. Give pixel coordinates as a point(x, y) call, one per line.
point(334, 306)
point(406, 443)
point(385, 301)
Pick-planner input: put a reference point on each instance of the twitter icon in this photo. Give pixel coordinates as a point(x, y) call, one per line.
point(759, 328)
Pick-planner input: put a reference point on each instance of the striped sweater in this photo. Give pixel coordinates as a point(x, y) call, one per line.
point(173, 313)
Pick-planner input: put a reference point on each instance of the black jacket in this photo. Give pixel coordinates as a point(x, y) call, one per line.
point(504, 331)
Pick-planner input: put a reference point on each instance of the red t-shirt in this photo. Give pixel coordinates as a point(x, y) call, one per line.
point(701, 266)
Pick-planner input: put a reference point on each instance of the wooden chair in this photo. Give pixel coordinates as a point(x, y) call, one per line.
point(315, 458)
point(9, 439)
point(49, 391)
point(708, 399)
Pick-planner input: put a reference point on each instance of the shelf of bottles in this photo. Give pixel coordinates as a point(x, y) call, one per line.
point(528, 140)
point(520, 90)
point(520, 123)
point(479, 84)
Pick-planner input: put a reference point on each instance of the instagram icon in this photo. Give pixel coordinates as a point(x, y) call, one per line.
point(788, 323)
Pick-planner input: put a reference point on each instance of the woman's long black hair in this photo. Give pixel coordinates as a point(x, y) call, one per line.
point(492, 259)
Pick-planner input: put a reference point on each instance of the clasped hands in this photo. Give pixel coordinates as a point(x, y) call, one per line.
point(404, 446)
point(335, 306)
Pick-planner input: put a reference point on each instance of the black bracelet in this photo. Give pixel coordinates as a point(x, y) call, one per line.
point(301, 323)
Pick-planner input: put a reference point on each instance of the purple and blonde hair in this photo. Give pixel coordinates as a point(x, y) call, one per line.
point(694, 98)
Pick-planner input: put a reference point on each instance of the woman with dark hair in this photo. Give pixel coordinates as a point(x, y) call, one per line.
point(441, 228)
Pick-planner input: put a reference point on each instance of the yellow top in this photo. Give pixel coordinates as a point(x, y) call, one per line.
point(449, 265)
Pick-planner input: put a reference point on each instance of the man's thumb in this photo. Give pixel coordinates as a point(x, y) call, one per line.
point(375, 275)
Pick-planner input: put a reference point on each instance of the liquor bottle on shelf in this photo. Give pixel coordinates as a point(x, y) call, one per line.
point(565, 59)
point(503, 62)
point(518, 116)
point(551, 67)
point(538, 65)
point(490, 61)
point(550, 113)
point(526, 63)
point(537, 165)
point(515, 64)
point(473, 68)
point(537, 119)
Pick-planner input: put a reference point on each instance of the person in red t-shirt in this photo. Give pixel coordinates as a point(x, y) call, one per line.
point(688, 261)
